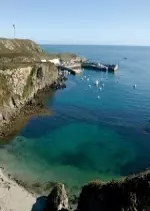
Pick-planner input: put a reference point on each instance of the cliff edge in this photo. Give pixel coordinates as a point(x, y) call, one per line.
point(19, 50)
point(129, 194)
point(22, 75)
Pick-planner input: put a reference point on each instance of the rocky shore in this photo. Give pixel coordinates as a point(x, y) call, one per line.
point(34, 107)
point(22, 77)
point(24, 80)
point(22, 95)
point(129, 194)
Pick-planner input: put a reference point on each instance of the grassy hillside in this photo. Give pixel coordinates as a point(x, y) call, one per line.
point(18, 45)
point(22, 51)
point(19, 50)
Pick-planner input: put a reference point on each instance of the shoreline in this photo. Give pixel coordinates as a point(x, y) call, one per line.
point(114, 195)
point(19, 194)
point(14, 191)
point(13, 196)
point(33, 107)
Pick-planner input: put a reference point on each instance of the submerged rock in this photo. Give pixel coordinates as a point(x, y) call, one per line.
point(57, 199)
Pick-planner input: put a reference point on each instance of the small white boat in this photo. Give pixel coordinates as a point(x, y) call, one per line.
point(96, 82)
point(116, 67)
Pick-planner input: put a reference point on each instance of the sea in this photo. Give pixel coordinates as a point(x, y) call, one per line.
point(94, 132)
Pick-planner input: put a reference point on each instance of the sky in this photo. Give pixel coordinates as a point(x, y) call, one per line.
point(102, 22)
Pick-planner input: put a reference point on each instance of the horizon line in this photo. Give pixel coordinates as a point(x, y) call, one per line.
point(124, 45)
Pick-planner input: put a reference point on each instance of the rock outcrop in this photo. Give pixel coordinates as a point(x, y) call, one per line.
point(22, 75)
point(131, 194)
point(57, 199)
point(19, 85)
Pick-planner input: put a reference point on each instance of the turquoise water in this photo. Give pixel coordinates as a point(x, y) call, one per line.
point(87, 138)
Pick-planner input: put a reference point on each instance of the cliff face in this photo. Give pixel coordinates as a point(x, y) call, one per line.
point(19, 85)
point(21, 75)
point(128, 194)
point(131, 194)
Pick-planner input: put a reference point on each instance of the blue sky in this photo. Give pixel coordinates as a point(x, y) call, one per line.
point(111, 22)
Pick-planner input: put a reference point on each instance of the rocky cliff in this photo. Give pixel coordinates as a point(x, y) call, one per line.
point(18, 85)
point(22, 75)
point(130, 194)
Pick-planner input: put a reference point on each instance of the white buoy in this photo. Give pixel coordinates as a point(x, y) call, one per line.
point(85, 76)
point(98, 97)
point(87, 79)
point(102, 85)
point(89, 85)
point(134, 86)
point(100, 88)
point(96, 82)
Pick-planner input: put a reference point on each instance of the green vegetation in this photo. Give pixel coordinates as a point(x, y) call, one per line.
point(18, 46)
point(14, 51)
point(12, 66)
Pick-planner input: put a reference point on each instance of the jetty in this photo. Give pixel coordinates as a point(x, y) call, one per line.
point(99, 66)
point(77, 67)
point(73, 68)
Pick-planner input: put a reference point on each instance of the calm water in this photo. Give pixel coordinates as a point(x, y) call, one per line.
point(88, 138)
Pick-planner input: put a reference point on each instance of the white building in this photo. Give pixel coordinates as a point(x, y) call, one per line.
point(55, 61)
point(43, 60)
